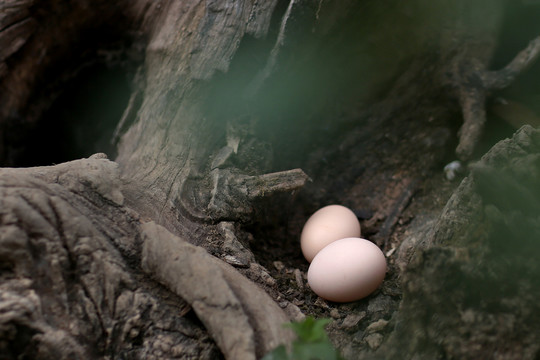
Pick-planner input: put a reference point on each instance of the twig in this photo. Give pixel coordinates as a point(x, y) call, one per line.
point(474, 118)
point(282, 181)
point(401, 203)
point(474, 83)
point(496, 80)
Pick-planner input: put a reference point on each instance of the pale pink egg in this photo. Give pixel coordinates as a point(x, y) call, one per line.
point(347, 270)
point(325, 226)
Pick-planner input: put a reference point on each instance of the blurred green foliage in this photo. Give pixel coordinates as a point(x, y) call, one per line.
point(312, 343)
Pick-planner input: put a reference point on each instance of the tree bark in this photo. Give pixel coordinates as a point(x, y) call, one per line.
point(173, 250)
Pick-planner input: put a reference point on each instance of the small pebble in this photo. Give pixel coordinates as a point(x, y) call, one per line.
point(278, 265)
point(236, 262)
point(335, 313)
point(390, 252)
point(321, 303)
point(298, 302)
point(374, 340)
point(133, 333)
point(452, 169)
point(270, 281)
point(376, 326)
point(352, 320)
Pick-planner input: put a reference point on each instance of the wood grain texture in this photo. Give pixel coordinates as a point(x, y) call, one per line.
point(71, 286)
point(149, 257)
point(79, 271)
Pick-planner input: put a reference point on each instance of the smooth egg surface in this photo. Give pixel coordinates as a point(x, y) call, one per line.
point(325, 226)
point(347, 270)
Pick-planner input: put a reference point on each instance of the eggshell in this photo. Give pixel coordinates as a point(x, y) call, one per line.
point(347, 270)
point(325, 226)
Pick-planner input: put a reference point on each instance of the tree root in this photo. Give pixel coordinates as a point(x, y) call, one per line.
point(233, 193)
point(71, 253)
point(474, 83)
point(234, 310)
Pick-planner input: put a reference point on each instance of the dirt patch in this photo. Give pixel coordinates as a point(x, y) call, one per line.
point(389, 171)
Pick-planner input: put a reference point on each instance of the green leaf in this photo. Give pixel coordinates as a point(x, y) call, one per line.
point(310, 330)
point(314, 351)
point(279, 353)
point(312, 343)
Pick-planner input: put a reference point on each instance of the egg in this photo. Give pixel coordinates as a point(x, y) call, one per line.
point(347, 270)
point(325, 226)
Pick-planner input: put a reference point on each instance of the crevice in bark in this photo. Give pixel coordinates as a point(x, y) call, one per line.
point(50, 61)
point(81, 119)
point(228, 96)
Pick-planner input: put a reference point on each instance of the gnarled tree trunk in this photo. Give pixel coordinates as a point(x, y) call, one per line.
point(242, 118)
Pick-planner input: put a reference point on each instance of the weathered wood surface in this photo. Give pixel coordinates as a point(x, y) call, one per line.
point(79, 276)
point(103, 259)
point(71, 280)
